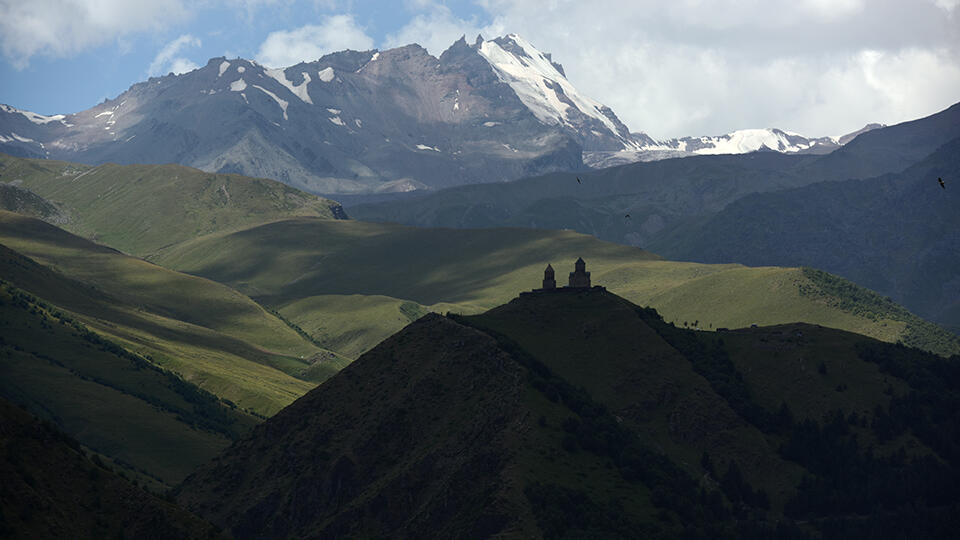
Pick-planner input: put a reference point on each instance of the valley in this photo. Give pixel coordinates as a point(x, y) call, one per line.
point(329, 298)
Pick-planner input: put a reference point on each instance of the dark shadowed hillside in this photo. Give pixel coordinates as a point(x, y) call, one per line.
point(895, 234)
point(49, 489)
point(578, 414)
point(639, 204)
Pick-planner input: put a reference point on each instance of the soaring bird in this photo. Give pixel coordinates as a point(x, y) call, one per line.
point(941, 183)
point(579, 182)
point(626, 216)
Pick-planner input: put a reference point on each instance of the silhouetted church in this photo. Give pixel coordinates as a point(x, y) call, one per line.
point(579, 279)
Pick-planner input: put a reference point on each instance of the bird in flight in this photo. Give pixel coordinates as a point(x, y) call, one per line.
point(626, 216)
point(941, 183)
point(579, 182)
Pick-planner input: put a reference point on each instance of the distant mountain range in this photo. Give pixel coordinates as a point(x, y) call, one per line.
point(374, 121)
point(738, 142)
point(733, 208)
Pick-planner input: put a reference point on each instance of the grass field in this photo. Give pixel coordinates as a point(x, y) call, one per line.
point(141, 208)
point(115, 403)
point(313, 270)
point(207, 332)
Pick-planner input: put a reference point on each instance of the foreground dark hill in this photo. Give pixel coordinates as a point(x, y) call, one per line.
point(896, 234)
point(578, 414)
point(49, 489)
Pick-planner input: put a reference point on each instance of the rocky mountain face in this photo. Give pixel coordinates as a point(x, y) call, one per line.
point(369, 122)
point(372, 121)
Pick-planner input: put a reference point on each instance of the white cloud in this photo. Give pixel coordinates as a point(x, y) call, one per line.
point(62, 28)
point(691, 67)
point(435, 29)
point(307, 43)
point(167, 60)
point(947, 5)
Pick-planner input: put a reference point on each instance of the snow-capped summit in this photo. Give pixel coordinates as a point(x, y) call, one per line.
point(352, 121)
point(542, 86)
point(737, 142)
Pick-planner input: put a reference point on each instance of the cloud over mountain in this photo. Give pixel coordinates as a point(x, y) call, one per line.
point(310, 42)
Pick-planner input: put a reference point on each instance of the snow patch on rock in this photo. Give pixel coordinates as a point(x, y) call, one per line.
point(223, 68)
point(238, 85)
point(298, 90)
point(326, 74)
point(34, 117)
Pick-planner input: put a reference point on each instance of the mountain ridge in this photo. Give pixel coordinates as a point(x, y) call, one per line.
point(481, 432)
point(367, 121)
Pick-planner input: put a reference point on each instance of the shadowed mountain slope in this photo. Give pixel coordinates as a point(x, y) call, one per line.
point(577, 414)
point(661, 195)
point(896, 234)
point(149, 421)
point(48, 489)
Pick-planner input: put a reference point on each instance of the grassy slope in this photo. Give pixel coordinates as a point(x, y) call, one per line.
point(113, 402)
point(441, 444)
point(894, 234)
point(49, 489)
point(596, 340)
point(108, 202)
point(210, 334)
point(287, 263)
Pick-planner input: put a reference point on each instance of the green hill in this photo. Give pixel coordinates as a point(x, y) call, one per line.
point(147, 420)
point(141, 208)
point(311, 270)
point(23, 201)
point(210, 334)
point(49, 489)
point(577, 414)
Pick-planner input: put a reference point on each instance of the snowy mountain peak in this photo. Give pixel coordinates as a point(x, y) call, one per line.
point(544, 89)
point(32, 116)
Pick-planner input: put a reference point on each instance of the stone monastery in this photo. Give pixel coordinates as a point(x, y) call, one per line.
point(579, 279)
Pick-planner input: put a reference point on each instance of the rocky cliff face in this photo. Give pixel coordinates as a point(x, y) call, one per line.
point(350, 122)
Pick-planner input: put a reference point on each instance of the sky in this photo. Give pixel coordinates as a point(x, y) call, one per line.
point(667, 68)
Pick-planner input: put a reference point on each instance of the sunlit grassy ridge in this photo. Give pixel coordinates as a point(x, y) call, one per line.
point(286, 264)
point(141, 208)
point(210, 334)
point(113, 402)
